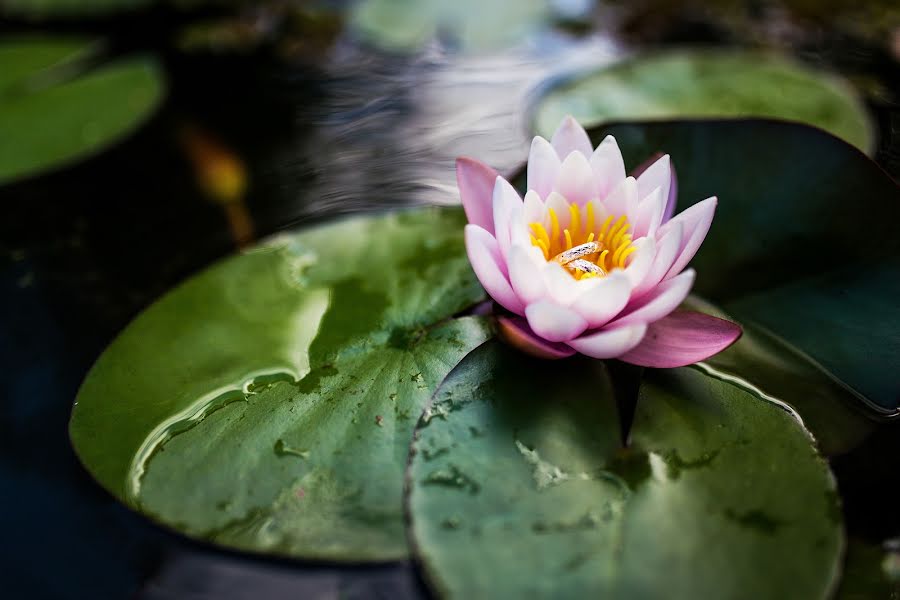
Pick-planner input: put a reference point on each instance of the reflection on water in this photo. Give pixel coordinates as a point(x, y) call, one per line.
point(389, 129)
point(204, 576)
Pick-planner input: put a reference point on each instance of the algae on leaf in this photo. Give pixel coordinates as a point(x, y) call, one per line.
point(716, 488)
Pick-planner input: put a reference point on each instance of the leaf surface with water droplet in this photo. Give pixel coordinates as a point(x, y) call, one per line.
point(268, 403)
point(717, 487)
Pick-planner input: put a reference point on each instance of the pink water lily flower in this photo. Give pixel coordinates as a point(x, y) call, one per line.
point(591, 260)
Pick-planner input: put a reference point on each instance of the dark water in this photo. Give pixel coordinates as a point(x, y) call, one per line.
point(84, 249)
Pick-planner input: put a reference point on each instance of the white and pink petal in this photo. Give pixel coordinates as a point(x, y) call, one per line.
point(525, 273)
point(648, 216)
point(562, 288)
point(554, 322)
point(672, 194)
point(640, 261)
point(696, 221)
point(506, 203)
point(571, 137)
point(476, 182)
point(560, 207)
point(603, 298)
point(576, 180)
point(490, 269)
point(609, 342)
point(534, 207)
point(667, 248)
point(608, 166)
point(543, 167)
point(659, 302)
point(623, 196)
point(657, 174)
point(519, 234)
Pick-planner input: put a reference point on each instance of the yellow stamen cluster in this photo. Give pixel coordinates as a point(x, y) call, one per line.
point(612, 238)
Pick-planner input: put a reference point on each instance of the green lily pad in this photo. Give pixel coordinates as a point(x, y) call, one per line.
point(803, 244)
point(268, 403)
point(25, 58)
point(518, 487)
point(709, 84)
point(54, 109)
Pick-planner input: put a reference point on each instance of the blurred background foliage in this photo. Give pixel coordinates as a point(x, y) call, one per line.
point(831, 62)
point(49, 102)
point(142, 139)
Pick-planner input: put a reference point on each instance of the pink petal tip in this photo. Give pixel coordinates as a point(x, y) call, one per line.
point(476, 191)
point(672, 196)
point(682, 338)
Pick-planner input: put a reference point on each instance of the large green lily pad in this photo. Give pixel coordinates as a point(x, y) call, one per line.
point(803, 243)
point(54, 109)
point(709, 84)
point(268, 403)
point(518, 487)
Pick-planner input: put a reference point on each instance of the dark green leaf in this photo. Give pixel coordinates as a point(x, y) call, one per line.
point(830, 410)
point(804, 242)
point(870, 572)
point(709, 84)
point(53, 111)
point(518, 487)
point(848, 319)
point(268, 403)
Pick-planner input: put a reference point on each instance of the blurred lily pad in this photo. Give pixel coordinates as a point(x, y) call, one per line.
point(518, 487)
point(56, 107)
point(55, 9)
point(26, 58)
point(473, 25)
point(267, 403)
point(804, 242)
point(709, 84)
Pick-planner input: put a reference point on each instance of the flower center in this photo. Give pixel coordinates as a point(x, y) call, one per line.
point(584, 248)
